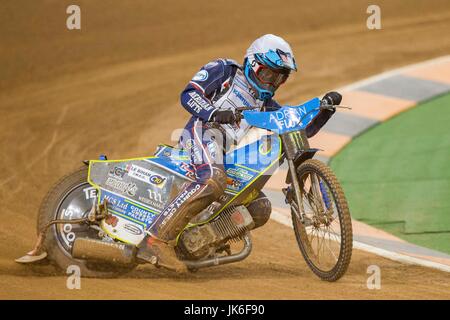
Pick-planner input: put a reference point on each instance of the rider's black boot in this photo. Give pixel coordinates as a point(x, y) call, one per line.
point(160, 254)
point(171, 221)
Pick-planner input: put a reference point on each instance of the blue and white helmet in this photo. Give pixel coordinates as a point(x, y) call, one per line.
point(267, 65)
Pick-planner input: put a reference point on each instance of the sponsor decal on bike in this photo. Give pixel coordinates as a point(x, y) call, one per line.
point(186, 194)
point(146, 175)
point(116, 203)
point(128, 188)
point(240, 173)
point(157, 180)
point(186, 168)
point(288, 117)
point(234, 184)
point(154, 199)
point(132, 229)
point(265, 145)
point(128, 210)
point(140, 215)
point(178, 201)
point(118, 172)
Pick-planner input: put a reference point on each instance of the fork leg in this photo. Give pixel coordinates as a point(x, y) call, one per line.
point(296, 185)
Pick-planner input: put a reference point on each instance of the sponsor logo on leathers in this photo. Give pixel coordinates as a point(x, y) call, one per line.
point(197, 103)
point(202, 75)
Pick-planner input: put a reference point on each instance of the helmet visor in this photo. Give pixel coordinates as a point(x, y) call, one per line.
point(270, 79)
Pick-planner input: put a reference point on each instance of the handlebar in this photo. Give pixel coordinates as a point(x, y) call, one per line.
point(332, 107)
point(238, 112)
point(325, 106)
point(239, 116)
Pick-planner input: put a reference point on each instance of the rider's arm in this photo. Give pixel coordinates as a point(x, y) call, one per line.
point(271, 105)
point(196, 97)
point(318, 122)
point(332, 98)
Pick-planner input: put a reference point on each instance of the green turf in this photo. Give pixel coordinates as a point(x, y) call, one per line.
point(396, 175)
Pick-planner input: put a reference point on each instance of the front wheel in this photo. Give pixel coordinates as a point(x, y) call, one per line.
point(325, 236)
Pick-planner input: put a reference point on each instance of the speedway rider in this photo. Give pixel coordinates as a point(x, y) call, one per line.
point(212, 96)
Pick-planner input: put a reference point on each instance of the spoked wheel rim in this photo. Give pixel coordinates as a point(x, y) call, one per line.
point(322, 222)
point(325, 235)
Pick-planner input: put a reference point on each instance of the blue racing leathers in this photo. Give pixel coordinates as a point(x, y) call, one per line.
point(219, 85)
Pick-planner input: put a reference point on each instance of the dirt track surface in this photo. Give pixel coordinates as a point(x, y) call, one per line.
point(113, 88)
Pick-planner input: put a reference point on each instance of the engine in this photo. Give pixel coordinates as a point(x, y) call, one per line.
point(232, 224)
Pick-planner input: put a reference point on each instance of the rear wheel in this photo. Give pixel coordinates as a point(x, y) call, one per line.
point(72, 198)
point(325, 237)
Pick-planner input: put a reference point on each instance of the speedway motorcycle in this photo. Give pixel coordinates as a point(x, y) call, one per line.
point(96, 216)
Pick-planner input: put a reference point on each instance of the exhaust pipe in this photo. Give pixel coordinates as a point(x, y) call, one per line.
point(110, 252)
point(121, 253)
point(245, 252)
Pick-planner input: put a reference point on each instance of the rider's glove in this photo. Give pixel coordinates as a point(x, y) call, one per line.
point(332, 98)
point(224, 116)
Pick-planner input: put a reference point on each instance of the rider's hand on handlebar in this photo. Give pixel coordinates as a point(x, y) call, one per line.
point(224, 116)
point(332, 98)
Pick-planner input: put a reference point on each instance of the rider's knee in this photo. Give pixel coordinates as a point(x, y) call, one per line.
point(218, 179)
point(260, 210)
point(214, 176)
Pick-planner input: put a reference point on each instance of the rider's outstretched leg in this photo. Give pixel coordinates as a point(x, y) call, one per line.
point(157, 246)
